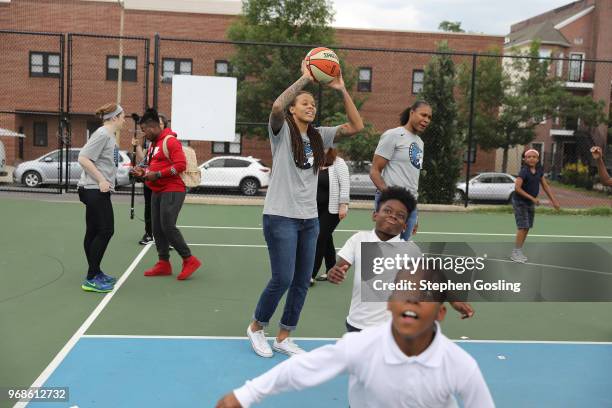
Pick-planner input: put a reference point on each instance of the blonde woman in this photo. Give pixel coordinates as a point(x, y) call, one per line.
point(332, 204)
point(97, 158)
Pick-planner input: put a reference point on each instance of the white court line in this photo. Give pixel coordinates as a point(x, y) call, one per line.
point(484, 234)
point(121, 336)
point(44, 376)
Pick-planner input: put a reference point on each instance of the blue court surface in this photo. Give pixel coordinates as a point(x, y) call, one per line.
point(125, 371)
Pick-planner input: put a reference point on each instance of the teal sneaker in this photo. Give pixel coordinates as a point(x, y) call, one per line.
point(96, 285)
point(111, 280)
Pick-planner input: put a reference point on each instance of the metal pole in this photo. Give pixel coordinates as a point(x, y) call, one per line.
point(470, 131)
point(156, 71)
point(147, 63)
point(60, 117)
point(120, 73)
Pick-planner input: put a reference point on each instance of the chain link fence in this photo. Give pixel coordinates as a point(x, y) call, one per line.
point(487, 110)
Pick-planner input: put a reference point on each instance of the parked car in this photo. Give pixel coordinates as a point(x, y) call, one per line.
point(361, 184)
point(488, 187)
point(45, 169)
point(235, 172)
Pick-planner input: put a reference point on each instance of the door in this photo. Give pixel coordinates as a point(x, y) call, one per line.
point(480, 187)
point(502, 187)
point(235, 170)
point(74, 167)
point(49, 166)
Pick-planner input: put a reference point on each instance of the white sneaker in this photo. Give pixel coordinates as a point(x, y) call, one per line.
point(259, 342)
point(287, 347)
point(518, 256)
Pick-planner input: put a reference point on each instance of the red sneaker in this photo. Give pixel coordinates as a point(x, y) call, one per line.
point(161, 268)
point(189, 266)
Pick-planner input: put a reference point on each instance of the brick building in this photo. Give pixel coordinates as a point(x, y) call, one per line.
point(579, 32)
point(36, 86)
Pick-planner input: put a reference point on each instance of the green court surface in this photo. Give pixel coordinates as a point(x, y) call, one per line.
point(42, 266)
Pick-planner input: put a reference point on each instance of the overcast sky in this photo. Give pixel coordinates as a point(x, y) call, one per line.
point(482, 16)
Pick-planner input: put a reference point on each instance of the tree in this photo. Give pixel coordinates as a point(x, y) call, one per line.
point(512, 98)
point(451, 26)
point(264, 72)
point(442, 158)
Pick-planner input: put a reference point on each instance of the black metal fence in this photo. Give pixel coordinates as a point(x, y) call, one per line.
point(487, 109)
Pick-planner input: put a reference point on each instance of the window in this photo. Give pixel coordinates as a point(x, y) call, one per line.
point(365, 80)
point(560, 66)
point(222, 68)
point(576, 67)
point(129, 73)
point(44, 64)
point(21, 130)
point(217, 163)
point(74, 155)
point(237, 163)
point(418, 75)
point(234, 147)
point(472, 155)
point(172, 66)
point(502, 180)
point(486, 179)
point(40, 133)
point(51, 157)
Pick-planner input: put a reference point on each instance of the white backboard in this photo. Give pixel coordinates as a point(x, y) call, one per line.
point(204, 107)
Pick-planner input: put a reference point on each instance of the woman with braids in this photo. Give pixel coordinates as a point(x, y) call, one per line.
point(97, 158)
point(290, 222)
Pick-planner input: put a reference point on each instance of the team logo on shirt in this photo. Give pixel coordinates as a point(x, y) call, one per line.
point(416, 155)
point(309, 155)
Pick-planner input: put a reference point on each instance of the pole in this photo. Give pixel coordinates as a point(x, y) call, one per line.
point(470, 131)
point(156, 70)
point(120, 70)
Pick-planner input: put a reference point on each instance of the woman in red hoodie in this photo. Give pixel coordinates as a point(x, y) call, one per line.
point(162, 175)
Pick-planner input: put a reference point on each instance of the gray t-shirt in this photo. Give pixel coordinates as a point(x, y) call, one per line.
point(405, 154)
point(100, 149)
point(293, 191)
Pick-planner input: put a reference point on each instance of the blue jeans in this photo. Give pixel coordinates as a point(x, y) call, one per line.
point(410, 223)
point(292, 245)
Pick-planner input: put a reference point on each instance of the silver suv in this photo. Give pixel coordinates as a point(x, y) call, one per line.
point(45, 169)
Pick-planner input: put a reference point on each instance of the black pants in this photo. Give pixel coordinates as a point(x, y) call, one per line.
point(165, 208)
point(100, 227)
point(325, 243)
point(147, 210)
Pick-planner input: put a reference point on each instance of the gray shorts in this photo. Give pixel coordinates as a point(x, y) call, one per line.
point(524, 213)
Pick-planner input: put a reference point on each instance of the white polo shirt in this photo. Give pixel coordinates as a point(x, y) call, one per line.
point(380, 374)
point(367, 314)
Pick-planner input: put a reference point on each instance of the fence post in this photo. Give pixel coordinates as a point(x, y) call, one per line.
point(156, 71)
point(470, 129)
point(147, 63)
point(66, 132)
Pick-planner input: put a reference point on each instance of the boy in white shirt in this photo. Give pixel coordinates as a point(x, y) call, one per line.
point(395, 206)
point(404, 363)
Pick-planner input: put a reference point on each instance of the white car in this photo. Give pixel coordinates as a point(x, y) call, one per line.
point(45, 169)
point(361, 183)
point(235, 172)
point(489, 187)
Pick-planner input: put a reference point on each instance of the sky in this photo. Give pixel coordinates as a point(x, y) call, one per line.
point(480, 16)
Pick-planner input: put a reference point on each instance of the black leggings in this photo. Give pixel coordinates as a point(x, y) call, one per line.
point(325, 242)
point(100, 226)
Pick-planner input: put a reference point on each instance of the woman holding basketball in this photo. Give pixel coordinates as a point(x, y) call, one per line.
point(290, 222)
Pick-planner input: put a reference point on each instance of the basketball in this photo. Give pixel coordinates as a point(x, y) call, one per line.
point(323, 64)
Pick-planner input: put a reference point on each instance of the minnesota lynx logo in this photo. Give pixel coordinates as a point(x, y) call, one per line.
point(416, 155)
